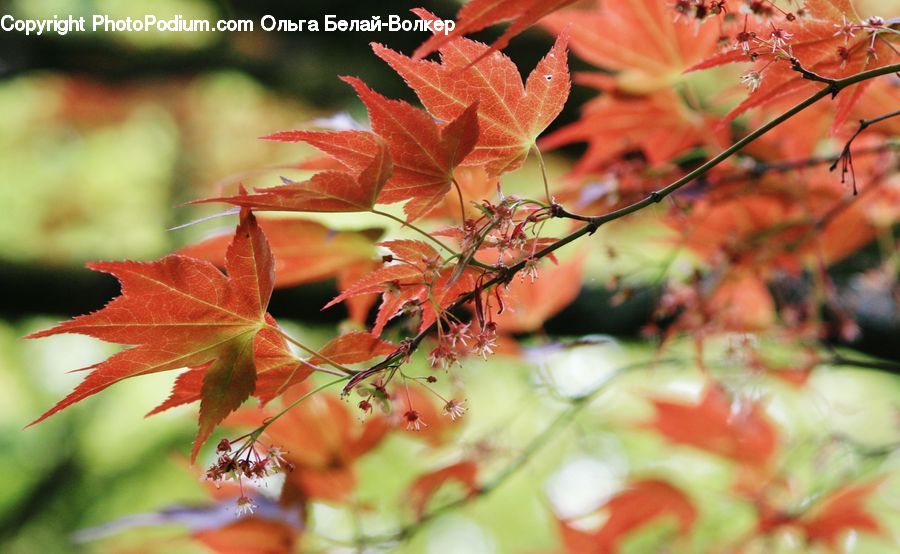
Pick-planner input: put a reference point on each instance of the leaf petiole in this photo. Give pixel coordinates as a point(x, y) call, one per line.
point(346, 370)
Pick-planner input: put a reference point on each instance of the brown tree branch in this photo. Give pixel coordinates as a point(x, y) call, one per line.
point(594, 222)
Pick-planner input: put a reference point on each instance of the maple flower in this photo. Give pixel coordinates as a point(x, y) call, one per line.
point(260, 469)
point(843, 54)
point(442, 357)
point(454, 409)
point(530, 270)
point(751, 80)
point(226, 464)
point(743, 38)
point(245, 506)
point(245, 467)
point(215, 474)
point(694, 8)
point(365, 406)
point(517, 238)
point(742, 41)
point(486, 340)
point(432, 267)
point(413, 420)
point(779, 38)
point(458, 333)
point(275, 456)
point(844, 29)
point(718, 7)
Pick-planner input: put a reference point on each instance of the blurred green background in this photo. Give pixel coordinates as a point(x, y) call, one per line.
point(103, 137)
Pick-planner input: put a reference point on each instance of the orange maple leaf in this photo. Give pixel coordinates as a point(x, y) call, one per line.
point(179, 312)
point(639, 504)
point(368, 163)
point(638, 39)
point(323, 440)
point(425, 486)
point(841, 511)
point(479, 14)
point(510, 115)
point(249, 535)
point(746, 435)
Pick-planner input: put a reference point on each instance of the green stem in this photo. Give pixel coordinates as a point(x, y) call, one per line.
point(839, 360)
point(435, 240)
point(259, 430)
point(312, 352)
point(540, 158)
point(405, 223)
point(462, 205)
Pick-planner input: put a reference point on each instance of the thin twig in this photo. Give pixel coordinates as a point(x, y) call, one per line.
point(846, 156)
point(758, 169)
point(657, 196)
point(346, 370)
point(437, 241)
point(833, 87)
point(839, 360)
point(540, 158)
point(405, 223)
point(269, 421)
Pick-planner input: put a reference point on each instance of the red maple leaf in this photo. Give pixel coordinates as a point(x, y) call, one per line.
point(424, 154)
point(641, 503)
point(639, 39)
point(278, 369)
point(179, 311)
point(475, 185)
point(305, 251)
point(322, 438)
point(249, 535)
point(745, 435)
point(358, 307)
point(659, 124)
point(425, 486)
point(368, 163)
point(479, 14)
point(510, 115)
point(414, 278)
point(828, 520)
point(768, 226)
point(353, 348)
point(841, 511)
point(741, 302)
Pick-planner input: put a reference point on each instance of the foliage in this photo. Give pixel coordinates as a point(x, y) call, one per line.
point(758, 212)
